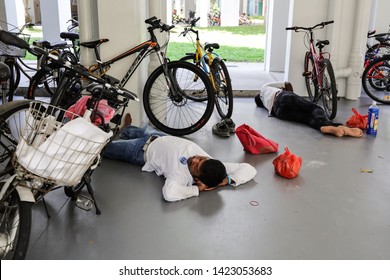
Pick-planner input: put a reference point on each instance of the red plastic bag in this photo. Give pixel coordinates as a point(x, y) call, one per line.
point(287, 164)
point(253, 142)
point(357, 120)
point(80, 107)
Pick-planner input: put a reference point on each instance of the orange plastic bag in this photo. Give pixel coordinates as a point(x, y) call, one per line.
point(287, 164)
point(357, 120)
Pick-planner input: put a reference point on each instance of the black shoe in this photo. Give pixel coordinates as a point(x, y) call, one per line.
point(230, 125)
point(221, 129)
point(258, 101)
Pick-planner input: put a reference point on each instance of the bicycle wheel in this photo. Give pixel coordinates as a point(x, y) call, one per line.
point(15, 226)
point(14, 80)
point(310, 75)
point(378, 73)
point(65, 89)
point(196, 96)
point(224, 91)
point(12, 120)
point(166, 101)
point(329, 89)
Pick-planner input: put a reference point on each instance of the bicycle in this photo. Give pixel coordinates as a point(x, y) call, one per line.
point(166, 92)
point(376, 79)
point(318, 71)
point(378, 49)
point(51, 155)
point(214, 66)
point(12, 56)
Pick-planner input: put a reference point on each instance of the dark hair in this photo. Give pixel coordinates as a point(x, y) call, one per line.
point(212, 173)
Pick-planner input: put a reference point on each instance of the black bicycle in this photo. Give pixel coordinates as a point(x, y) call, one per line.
point(167, 91)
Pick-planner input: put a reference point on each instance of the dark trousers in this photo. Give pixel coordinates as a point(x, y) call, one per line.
point(292, 107)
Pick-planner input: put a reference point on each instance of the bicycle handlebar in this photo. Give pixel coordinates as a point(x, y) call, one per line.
point(157, 24)
point(10, 39)
point(192, 24)
point(321, 25)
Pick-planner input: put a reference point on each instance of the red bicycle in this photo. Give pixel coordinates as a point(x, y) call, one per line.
point(318, 71)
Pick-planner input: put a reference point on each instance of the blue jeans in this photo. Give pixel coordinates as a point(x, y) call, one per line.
point(130, 147)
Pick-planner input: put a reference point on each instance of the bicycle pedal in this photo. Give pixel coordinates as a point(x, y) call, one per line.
point(84, 202)
point(306, 74)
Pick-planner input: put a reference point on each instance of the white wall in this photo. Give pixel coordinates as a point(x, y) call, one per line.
point(13, 14)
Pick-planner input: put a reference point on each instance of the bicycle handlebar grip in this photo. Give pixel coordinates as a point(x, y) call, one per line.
point(10, 39)
point(328, 22)
point(291, 28)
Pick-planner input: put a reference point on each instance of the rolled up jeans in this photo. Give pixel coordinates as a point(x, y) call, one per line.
point(130, 147)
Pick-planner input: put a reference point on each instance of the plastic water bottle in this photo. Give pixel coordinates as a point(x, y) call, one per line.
point(373, 117)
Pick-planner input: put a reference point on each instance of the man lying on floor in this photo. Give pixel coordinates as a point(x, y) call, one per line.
point(188, 169)
point(280, 101)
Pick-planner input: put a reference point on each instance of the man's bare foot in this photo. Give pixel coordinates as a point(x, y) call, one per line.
point(352, 131)
point(341, 131)
point(128, 120)
point(329, 129)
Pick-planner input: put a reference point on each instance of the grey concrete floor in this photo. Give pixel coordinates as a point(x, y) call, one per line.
point(332, 210)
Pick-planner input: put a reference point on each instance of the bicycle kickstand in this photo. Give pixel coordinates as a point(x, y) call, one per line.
point(86, 203)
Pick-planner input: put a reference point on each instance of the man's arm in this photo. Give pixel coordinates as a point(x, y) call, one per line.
point(240, 173)
point(175, 188)
point(278, 84)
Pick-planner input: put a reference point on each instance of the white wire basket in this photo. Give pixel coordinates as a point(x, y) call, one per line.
point(8, 50)
point(57, 146)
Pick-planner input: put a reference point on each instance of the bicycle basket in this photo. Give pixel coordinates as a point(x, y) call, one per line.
point(56, 149)
point(8, 50)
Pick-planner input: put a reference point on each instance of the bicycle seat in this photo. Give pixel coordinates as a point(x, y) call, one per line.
point(69, 35)
point(370, 33)
point(322, 43)
point(5, 72)
point(47, 45)
point(210, 46)
point(94, 44)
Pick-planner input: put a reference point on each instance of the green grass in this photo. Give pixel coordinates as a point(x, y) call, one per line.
point(241, 30)
point(237, 54)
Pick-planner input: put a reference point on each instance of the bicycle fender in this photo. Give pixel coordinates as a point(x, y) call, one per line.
point(25, 194)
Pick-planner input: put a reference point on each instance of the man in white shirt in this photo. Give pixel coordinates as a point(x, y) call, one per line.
point(188, 169)
point(280, 101)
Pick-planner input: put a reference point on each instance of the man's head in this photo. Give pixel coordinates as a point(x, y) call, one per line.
point(210, 172)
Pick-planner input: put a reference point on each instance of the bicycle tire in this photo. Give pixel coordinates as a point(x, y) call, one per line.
point(310, 75)
point(378, 70)
point(12, 120)
point(14, 80)
point(63, 92)
point(224, 91)
point(192, 59)
point(177, 115)
point(15, 216)
point(329, 89)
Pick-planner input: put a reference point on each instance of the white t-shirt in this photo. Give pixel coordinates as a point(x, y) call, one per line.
point(268, 93)
point(167, 156)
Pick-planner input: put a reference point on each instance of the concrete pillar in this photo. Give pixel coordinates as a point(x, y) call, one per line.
point(55, 14)
point(276, 35)
point(88, 28)
point(12, 12)
point(230, 12)
point(202, 11)
point(123, 23)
